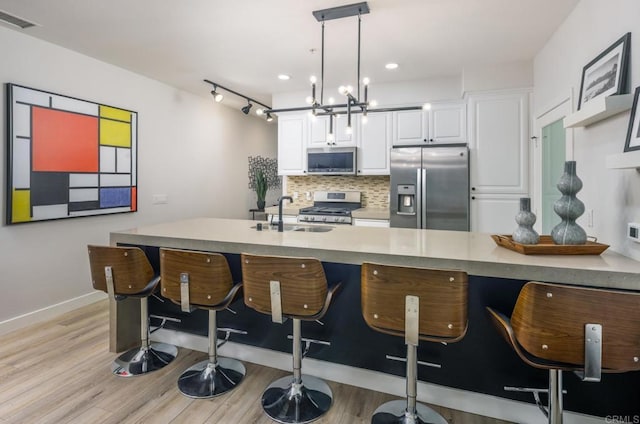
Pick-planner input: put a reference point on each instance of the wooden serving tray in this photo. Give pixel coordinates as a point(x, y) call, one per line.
point(546, 246)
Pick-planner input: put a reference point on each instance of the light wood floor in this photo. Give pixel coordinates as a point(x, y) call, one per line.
point(59, 372)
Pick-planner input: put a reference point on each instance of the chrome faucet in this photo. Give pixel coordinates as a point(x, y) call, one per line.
point(280, 223)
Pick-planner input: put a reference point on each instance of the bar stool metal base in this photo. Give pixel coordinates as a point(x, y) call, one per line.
point(206, 380)
point(286, 402)
point(395, 412)
point(141, 360)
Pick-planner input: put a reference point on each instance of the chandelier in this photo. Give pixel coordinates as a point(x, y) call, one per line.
point(353, 103)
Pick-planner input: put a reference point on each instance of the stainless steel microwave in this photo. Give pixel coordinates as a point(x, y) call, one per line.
point(331, 161)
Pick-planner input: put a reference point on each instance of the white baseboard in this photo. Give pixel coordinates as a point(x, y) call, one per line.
point(49, 312)
point(462, 400)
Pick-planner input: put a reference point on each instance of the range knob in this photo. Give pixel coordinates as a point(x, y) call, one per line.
point(341, 219)
point(312, 218)
point(324, 218)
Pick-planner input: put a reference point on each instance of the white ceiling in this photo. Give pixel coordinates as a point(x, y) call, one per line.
point(245, 44)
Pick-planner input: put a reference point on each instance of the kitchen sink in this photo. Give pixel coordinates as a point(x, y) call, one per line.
point(297, 227)
point(313, 228)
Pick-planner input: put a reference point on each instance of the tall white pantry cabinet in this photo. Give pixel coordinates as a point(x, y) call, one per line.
point(499, 158)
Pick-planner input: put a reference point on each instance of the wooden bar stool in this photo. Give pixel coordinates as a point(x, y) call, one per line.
point(293, 288)
point(203, 280)
point(566, 328)
point(417, 304)
point(126, 272)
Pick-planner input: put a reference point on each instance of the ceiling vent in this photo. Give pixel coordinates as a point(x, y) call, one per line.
point(14, 20)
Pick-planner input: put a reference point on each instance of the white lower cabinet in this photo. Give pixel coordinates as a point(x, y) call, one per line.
point(494, 213)
point(363, 222)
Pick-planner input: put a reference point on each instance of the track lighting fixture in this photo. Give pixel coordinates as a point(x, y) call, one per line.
point(246, 108)
point(250, 102)
point(216, 96)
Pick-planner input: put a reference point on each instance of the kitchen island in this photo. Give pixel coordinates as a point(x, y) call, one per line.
point(480, 364)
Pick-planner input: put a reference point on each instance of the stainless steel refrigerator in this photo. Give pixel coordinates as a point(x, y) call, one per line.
point(430, 187)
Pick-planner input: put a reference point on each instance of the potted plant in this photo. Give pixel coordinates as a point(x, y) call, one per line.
point(261, 186)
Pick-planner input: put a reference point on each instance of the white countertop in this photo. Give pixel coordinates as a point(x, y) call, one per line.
point(475, 253)
point(371, 213)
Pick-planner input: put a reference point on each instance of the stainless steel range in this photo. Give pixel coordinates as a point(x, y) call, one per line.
point(331, 207)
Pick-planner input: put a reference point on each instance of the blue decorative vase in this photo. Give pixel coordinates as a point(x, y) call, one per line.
point(569, 208)
point(525, 234)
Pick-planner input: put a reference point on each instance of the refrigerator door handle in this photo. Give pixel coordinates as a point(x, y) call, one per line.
point(423, 196)
point(418, 198)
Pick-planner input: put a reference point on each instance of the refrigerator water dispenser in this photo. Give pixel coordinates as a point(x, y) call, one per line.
point(407, 199)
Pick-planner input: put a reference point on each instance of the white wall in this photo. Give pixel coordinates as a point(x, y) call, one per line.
point(191, 149)
point(497, 77)
point(614, 195)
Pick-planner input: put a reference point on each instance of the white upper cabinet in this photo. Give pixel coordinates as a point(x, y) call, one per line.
point(292, 144)
point(448, 123)
point(375, 143)
point(319, 132)
point(410, 127)
point(499, 142)
point(444, 123)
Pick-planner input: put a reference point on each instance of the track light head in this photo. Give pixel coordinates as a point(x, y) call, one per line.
point(216, 96)
point(246, 108)
point(269, 117)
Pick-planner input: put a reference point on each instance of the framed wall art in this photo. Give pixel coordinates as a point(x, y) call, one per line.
point(68, 157)
point(606, 74)
point(633, 133)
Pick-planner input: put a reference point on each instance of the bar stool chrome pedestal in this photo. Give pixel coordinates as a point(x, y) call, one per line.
point(294, 288)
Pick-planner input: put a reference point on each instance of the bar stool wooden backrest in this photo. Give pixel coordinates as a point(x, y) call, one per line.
point(303, 285)
point(209, 277)
point(131, 270)
point(443, 300)
point(549, 320)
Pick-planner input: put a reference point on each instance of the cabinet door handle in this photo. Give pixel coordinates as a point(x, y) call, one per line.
point(473, 188)
point(473, 197)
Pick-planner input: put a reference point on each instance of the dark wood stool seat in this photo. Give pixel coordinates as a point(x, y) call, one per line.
point(565, 328)
point(203, 280)
point(294, 288)
point(417, 304)
point(124, 272)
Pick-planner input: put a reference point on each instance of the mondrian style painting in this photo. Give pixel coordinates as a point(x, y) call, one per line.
point(68, 157)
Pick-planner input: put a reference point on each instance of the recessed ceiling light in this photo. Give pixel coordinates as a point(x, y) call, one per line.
point(284, 77)
point(391, 65)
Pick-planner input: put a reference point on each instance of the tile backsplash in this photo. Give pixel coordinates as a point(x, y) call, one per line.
point(374, 188)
